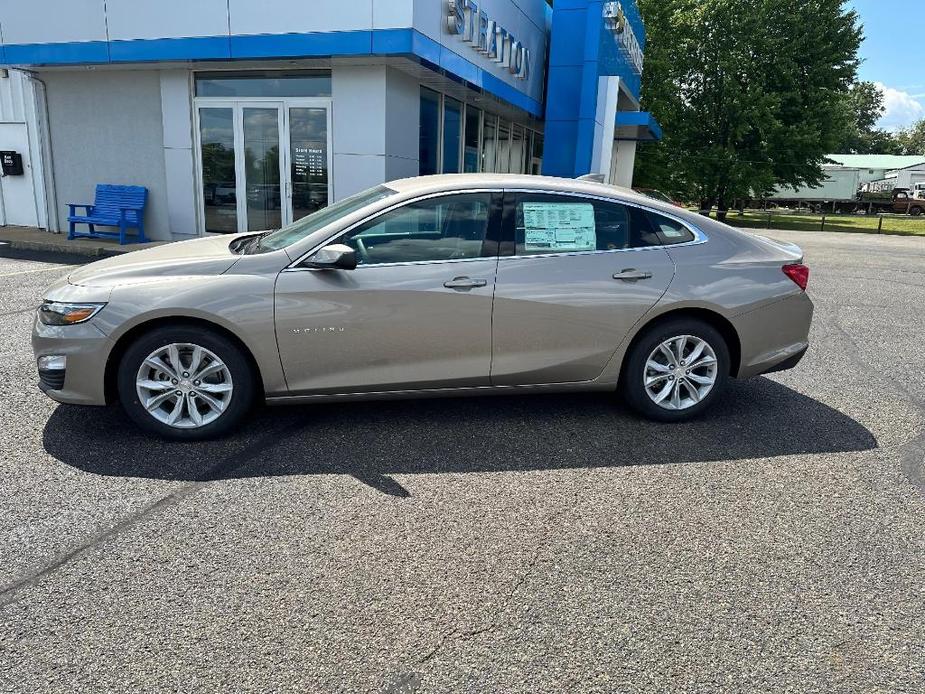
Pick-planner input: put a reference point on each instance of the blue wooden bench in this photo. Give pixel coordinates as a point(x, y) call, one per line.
point(113, 206)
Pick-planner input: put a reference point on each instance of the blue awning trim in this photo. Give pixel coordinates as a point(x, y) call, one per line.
point(637, 125)
point(379, 42)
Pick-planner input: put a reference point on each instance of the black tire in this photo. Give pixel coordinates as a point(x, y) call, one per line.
point(242, 375)
point(915, 211)
point(632, 379)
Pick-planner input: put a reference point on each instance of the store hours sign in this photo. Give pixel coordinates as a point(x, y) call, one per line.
point(468, 20)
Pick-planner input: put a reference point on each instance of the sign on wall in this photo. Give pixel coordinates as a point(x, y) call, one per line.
point(615, 18)
point(469, 21)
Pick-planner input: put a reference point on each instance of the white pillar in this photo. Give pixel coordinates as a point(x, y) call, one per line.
point(608, 92)
point(624, 160)
point(179, 166)
point(376, 117)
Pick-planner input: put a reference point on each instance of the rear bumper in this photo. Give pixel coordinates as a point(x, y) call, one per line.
point(775, 337)
point(790, 362)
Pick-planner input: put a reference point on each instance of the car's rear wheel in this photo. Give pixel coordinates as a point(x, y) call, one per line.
point(675, 370)
point(185, 383)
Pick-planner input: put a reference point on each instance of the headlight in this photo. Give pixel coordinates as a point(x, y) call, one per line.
point(56, 313)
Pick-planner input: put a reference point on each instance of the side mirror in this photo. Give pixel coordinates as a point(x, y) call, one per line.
point(337, 256)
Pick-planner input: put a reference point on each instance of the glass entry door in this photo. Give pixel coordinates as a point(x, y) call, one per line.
point(263, 164)
point(309, 152)
point(262, 167)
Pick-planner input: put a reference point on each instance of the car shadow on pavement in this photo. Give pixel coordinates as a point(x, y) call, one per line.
point(373, 440)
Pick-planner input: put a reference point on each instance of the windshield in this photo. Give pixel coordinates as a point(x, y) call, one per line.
point(316, 220)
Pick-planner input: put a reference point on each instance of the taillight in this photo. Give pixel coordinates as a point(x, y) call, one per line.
point(799, 273)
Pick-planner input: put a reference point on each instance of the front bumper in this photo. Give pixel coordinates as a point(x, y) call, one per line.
point(87, 350)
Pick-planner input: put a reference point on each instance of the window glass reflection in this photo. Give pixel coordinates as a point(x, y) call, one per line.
point(264, 84)
point(488, 143)
point(429, 139)
point(503, 156)
point(471, 141)
point(219, 185)
point(452, 132)
point(261, 162)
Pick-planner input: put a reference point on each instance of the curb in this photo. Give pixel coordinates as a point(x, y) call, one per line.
point(62, 248)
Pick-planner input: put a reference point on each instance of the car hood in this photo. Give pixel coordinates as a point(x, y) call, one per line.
point(206, 256)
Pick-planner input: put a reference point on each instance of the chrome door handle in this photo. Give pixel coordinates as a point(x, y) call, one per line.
point(632, 274)
point(464, 283)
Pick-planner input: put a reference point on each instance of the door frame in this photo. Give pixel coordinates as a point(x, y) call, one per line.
point(237, 106)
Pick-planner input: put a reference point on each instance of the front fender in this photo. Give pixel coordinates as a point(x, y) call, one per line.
point(241, 304)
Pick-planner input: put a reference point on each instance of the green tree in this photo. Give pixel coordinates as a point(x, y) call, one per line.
point(912, 139)
point(750, 93)
point(865, 102)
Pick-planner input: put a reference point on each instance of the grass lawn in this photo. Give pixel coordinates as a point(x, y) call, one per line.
point(901, 225)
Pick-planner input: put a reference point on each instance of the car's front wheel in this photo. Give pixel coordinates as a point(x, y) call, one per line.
point(676, 370)
point(185, 383)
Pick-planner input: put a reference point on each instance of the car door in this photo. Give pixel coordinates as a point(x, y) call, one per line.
point(414, 314)
point(575, 274)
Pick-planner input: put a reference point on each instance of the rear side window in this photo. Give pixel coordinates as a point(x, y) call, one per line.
point(545, 223)
point(669, 231)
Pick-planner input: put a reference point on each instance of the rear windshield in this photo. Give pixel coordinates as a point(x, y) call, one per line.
point(288, 235)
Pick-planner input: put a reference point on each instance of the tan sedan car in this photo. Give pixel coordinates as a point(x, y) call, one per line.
point(445, 285)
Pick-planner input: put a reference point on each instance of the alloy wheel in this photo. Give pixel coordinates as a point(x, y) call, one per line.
point(680, 372)
point(184, 385)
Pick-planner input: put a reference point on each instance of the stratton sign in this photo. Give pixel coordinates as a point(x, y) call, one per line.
point(471, 23)
point(616, 21)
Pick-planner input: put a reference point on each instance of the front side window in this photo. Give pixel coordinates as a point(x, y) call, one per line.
point(546, 223)
point(450, 227)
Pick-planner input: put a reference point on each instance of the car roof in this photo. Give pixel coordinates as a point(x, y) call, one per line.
point(445, 182)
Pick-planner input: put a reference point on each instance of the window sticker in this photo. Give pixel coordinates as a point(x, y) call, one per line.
point(557, 226)
point(672, 232)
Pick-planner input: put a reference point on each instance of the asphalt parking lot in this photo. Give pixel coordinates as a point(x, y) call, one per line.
point(550, 543)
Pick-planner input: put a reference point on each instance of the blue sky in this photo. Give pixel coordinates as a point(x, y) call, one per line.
point(893, 55)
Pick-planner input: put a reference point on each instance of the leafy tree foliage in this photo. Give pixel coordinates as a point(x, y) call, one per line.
point(865, 101)
point(912, 140)
point(750, 93)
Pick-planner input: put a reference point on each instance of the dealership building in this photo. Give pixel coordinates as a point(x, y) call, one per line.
point(239, 115)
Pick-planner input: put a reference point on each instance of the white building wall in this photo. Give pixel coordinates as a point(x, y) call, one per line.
point(106, 127)
point(131, 19)
point(99, 20)
point(49, 21)
point(376, 111)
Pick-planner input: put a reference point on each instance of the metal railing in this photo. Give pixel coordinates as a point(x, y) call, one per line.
point(796, 220)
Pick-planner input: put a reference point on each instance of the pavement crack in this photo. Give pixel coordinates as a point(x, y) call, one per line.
point(10, 593)
point(912, 452)
point(551, 522)
point(16, 313)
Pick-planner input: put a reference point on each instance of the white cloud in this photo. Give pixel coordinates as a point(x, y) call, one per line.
point(900, 109)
